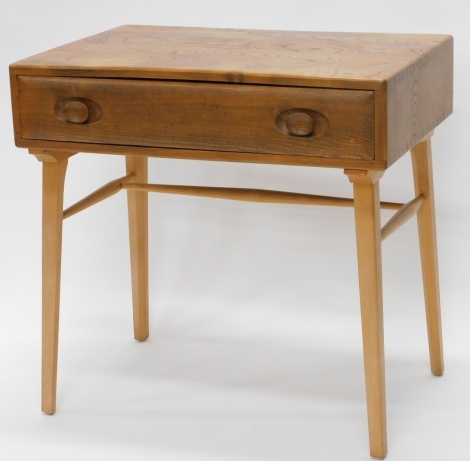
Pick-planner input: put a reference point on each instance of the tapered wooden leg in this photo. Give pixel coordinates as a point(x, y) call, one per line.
point(138, 236)
point(367, 215)
point(422, 171)
point(53, 192)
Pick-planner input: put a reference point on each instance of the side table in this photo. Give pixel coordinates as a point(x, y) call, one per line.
point(356, 101)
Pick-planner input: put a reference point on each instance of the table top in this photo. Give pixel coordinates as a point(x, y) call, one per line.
point(348, 100)
point(320, 59)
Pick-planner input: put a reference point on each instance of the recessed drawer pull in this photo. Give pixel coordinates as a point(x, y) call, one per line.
point(78, 110)
point(302, 123)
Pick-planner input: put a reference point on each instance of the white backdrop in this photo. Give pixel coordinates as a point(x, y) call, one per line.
point(255, 354)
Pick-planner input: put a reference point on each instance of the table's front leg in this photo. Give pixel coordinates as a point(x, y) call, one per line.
point(138, 238)
point(54, 168)
point(369, 255)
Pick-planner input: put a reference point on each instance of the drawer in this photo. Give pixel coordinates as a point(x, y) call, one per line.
point(207, 116)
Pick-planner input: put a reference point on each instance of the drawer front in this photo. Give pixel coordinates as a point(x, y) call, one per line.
point(208, 116)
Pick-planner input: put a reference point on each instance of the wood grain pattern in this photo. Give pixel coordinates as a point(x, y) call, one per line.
point(411, 76)
point(419, 98)
point(332, 59)
point(240, 118)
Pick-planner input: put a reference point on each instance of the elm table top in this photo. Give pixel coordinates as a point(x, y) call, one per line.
point(410, 76)
point(325, 59)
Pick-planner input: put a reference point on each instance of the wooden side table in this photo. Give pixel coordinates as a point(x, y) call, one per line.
point(346, 100)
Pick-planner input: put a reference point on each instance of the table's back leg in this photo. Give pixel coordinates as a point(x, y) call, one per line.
point(422, 171)
point(138, 237)
point(367, 216)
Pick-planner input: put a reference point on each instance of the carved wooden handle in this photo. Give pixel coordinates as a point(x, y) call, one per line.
point(78, 110)
point(75, 112)
point(302, 123)
point(299, 124)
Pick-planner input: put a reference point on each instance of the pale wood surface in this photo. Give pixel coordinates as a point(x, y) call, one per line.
point(403, 215)
point(53, 190)
point(51, 156)
point(138, 239)
point(369, 255)
point(252, 195)
point(104, 192)
point(423, 178)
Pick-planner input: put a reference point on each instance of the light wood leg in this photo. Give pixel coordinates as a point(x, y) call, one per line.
point(422, 171)
point(53, 192)
point(367, 216)
point(138, 237)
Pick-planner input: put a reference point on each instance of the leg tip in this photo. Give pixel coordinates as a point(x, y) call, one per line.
point(438, 368)
point(378, 452)
point(48, 411)
point(141, 337)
